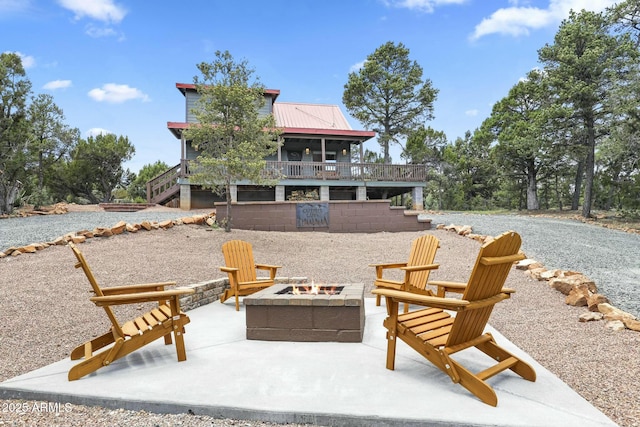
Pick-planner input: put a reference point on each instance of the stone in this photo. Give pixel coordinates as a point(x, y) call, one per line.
point(535, 273)
point(188, 220)
point(146, 225)
point(60, 241)
point(594, 300)
point(632, 324)
point(578, 296)
point(102, 232)
point(465, 230)
point(615, 325)
point(119, 228)
point(590, 317)
point(131, 228)
point(166, 224)
point(525, 263)
point(78, 239)
point(567, 283)
point(613, 313)
point(86, 233)
point(550, 274)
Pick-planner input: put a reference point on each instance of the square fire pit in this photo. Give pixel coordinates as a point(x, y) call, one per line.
point(274, 314)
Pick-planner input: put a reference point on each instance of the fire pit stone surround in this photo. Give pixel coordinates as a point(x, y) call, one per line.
point(306, 317)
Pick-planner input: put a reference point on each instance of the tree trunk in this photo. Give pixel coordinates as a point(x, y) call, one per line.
point(578, 186)
point(589, 168)
point(557, 191)
point(532, 188)
point(8, 196)
point(227, 224)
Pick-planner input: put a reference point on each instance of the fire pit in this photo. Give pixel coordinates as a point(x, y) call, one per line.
point(286, 312)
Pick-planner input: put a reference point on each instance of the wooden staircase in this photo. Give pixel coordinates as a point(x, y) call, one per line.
point(164, 187)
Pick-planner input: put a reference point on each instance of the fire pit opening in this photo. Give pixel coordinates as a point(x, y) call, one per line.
point(311, 290)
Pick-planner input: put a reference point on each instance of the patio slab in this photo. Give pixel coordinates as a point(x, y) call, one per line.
point(324, 383)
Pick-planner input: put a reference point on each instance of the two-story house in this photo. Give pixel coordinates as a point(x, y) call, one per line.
point(316, 156)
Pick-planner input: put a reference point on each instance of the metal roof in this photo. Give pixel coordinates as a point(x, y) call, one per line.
point(309, 116)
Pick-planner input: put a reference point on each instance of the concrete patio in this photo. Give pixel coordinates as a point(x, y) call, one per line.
point(337, 384)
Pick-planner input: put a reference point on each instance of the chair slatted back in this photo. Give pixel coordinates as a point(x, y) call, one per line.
point(82, 263)
point(239, 254)
point(423, 252)
point(489, 274)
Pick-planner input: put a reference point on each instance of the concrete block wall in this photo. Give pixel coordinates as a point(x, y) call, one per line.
point(209, 291)
point(352, 216)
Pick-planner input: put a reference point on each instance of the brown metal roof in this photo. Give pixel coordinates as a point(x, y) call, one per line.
point(309, 116)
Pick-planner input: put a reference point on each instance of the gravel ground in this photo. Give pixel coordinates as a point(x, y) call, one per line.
point(600, 364)
point(611, 258)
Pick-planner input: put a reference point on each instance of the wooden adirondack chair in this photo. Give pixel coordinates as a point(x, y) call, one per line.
point(132, 335)
point(238, 257)
point(436, 335)
point(416, 270)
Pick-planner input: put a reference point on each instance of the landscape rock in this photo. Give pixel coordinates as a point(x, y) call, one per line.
point(613, 313)
point(146, 225)
point(578, 296)
point(565, 284)
point(119, 228)
point(102, 232)
point(526, 263)
point(594, 300)
point(632, 324)
point(615, 325)
point(590, 317)
point(166, 224)
point(536, 273)
point(550, 274)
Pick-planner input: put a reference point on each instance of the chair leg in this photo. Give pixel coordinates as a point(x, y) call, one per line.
point(491, 349)
point(475, 385)
point(378, 300)
point(96, 344)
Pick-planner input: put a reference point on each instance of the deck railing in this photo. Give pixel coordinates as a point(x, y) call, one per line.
point(347, 171)
point(163, 186)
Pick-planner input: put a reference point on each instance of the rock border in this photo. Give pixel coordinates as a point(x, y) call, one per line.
point(580, 291)
point(119, 228)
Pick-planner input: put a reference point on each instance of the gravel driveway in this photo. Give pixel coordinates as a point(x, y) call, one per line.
point(609, 257)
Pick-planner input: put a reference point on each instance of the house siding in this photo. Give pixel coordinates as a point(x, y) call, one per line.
point(193, 96)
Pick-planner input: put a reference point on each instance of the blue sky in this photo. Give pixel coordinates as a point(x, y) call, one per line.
point(112, 65)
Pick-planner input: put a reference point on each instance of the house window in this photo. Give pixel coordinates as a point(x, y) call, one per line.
point(330, 157)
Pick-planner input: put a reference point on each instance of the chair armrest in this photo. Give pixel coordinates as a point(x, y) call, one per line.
point(389, 265)
point(424, 300)
point(140, 297)
point(446, 286)
point(267, 267)
point(420, 267)
point(128, 289)
point(229, 269)
point(272, 269)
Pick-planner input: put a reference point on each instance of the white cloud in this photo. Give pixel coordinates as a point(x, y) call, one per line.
point(427, 6)
point(97, 131)
point(57, 84)
point(471, 113)
point(520, 20)
point(357, 66)
point(27, 60)
point(101, 10)
point(116, 94)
